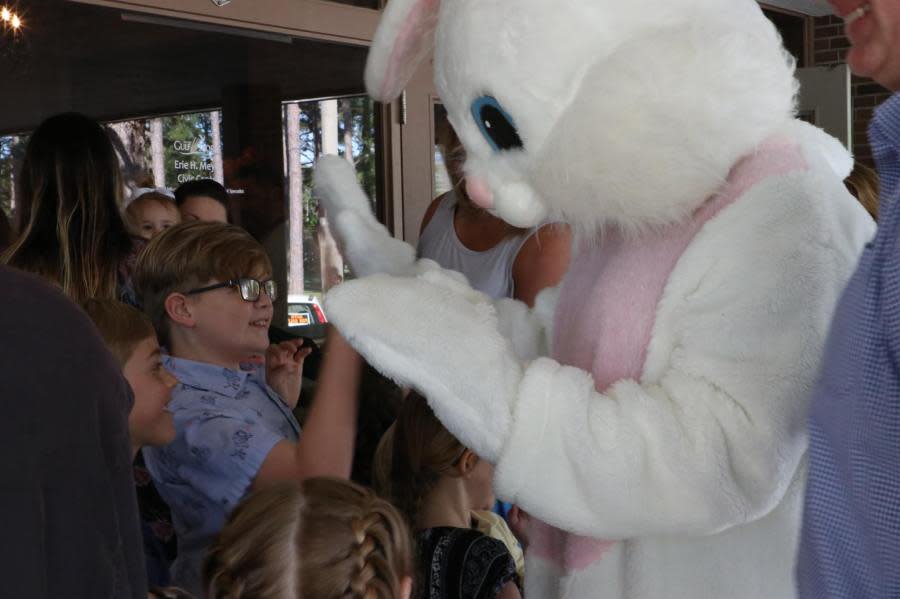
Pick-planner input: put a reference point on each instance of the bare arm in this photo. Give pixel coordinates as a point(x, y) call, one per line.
point(542, 261)
point(509, 591)
point(326, 444)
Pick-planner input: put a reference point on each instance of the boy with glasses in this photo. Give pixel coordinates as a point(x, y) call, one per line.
point(208, 289)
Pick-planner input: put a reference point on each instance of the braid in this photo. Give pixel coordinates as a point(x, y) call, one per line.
point(369, 546)
point(373, 577)
point(325, 538)
point(365, 545)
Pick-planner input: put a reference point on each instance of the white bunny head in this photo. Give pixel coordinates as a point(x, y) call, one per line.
point(593, 112)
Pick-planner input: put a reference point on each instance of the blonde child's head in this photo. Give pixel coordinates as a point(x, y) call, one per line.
point(150, 214)
point(417, 452)
point(193, 281)
point(130, 337)
point(321, 539)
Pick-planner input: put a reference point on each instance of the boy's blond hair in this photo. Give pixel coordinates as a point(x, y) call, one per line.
point(324, 537)
point(189, 255)
point(121, 326)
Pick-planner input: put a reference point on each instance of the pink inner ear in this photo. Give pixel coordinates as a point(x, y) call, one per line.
point(413, 42)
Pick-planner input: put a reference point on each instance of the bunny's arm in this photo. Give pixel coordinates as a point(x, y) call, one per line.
point(714, 433)
point(365, 243)
point(528, 330)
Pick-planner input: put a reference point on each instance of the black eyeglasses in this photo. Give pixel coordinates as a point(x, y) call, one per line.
point(250, 288)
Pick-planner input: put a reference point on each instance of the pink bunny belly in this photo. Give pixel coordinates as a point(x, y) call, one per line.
point(608, 306)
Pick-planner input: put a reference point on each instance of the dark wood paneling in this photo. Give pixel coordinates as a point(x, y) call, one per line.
point(85, 58)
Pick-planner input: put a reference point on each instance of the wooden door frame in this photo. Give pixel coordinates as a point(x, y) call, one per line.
point(403, 133)
point(309, 19)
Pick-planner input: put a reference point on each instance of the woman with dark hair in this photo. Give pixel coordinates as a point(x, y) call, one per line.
point(67, 510)
point(6, 233)
point(70, 230)
point(202, 199)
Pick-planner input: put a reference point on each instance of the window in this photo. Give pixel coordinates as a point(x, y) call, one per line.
point(340, 126)
point(184, 100)
point(12, 148)
point(792, 28)
point(442, 182)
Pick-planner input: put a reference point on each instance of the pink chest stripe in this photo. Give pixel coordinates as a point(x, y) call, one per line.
point(608, 304)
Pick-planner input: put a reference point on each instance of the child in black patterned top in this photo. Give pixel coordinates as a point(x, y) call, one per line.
point(437, 483)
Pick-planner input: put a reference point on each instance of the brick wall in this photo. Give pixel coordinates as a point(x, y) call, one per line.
point(830, 48)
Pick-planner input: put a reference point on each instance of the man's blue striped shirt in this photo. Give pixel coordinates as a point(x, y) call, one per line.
point(850, 546)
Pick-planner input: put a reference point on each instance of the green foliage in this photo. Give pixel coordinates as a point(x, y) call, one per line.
point(12, 150)
point(363, 132)
point(188, 147)
point(357, 114)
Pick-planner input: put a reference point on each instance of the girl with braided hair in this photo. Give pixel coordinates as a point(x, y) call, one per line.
point(324, 538)
point(438, 484)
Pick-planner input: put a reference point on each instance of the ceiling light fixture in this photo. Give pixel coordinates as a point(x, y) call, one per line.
point(10, 19)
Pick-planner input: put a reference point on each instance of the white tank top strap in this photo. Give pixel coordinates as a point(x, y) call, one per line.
point(489, 271)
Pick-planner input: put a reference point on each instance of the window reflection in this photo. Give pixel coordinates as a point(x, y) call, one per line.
point(344, 127)
point(363, 3)
point(188, 101)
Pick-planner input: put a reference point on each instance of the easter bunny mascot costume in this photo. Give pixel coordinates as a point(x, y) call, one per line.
point(649, 413)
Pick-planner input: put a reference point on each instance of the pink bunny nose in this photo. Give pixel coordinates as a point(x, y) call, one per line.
point(479, 192)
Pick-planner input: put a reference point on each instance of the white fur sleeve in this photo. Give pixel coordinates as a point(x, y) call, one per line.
point(713, 433)
point(528, 330)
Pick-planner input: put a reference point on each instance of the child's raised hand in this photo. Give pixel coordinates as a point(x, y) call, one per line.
point(284, 368)
point(365, 243)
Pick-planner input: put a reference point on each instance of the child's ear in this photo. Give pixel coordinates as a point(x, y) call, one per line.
point(178, 309)
point(467, 463)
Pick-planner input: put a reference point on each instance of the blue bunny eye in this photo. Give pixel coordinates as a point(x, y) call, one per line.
point(495, 123)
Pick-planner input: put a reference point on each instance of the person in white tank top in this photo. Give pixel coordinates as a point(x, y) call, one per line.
point(498, 259)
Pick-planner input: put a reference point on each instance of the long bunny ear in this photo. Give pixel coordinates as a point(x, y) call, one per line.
point(404, 38)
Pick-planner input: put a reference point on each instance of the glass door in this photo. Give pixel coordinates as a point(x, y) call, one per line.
point(186, 99)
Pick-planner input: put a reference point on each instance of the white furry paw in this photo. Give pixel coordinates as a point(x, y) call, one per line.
point(335, 185)
point(365, 243)
point(435, 334)
point(370, 249)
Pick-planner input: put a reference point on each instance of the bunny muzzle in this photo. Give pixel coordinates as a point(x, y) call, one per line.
point(505, 194)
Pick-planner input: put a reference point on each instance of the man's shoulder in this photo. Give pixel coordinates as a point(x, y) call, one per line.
point(37, 319)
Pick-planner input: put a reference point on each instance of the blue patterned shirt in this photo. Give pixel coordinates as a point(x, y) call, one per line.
point(850, 546)
point(226, 421)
